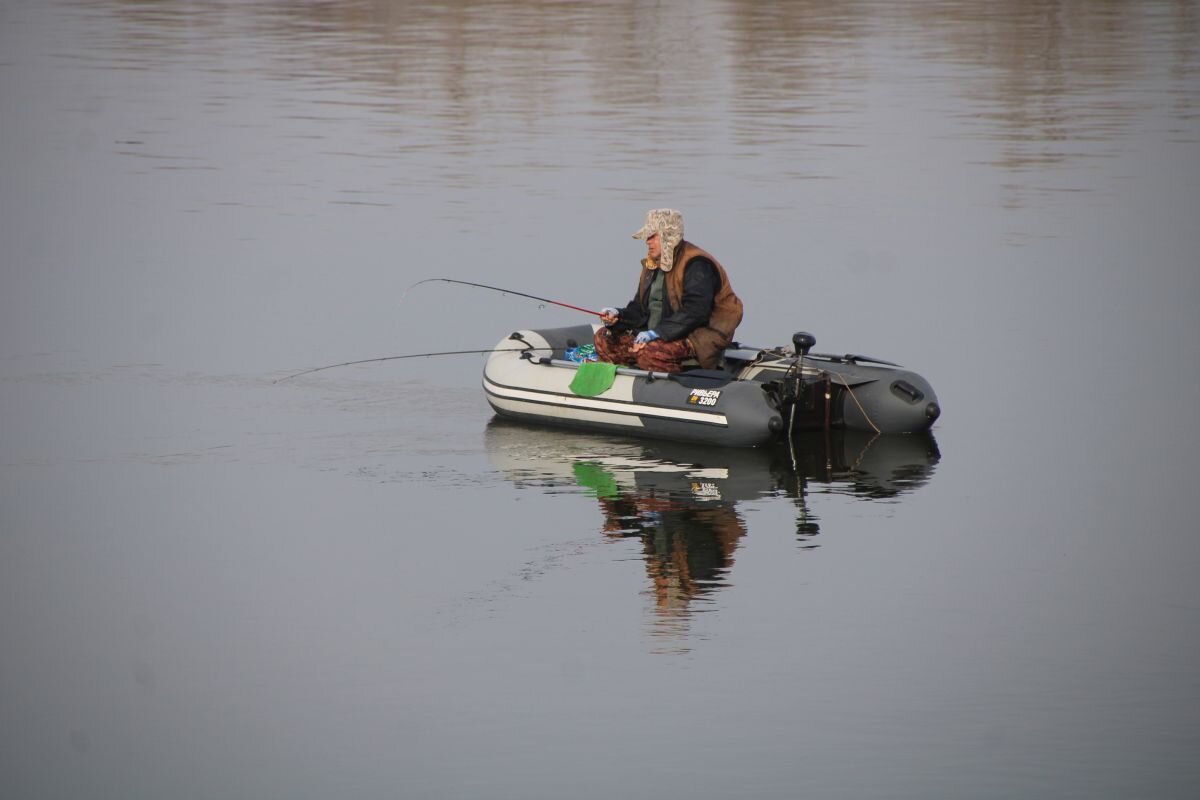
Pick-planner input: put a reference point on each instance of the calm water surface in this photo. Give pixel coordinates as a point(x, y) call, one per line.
point(359, 584)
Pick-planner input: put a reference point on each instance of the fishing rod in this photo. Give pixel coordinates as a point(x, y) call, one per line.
point(447, 352)
point(393, 358)
point(503, 291)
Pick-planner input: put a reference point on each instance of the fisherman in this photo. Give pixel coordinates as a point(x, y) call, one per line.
point(684, 307)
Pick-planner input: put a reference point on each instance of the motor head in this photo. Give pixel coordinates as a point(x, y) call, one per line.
point(803, 341)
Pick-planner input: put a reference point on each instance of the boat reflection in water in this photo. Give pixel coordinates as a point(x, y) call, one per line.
point(681, 501)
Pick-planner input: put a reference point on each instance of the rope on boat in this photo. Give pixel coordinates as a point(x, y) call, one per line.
point(791, 425)
point(797, 365)
point(860, 407)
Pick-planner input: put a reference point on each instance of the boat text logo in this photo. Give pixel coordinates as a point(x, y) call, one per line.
point(704, 397)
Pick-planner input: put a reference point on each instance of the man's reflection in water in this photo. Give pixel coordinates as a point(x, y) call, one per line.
point(688, 546)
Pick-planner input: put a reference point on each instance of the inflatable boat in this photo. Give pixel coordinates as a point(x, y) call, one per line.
point(757, 396)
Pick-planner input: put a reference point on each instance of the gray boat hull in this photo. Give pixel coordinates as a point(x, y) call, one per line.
point(759, 397)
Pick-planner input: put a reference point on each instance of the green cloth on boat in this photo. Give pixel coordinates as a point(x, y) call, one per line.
point(595, 477)
point(593, 378)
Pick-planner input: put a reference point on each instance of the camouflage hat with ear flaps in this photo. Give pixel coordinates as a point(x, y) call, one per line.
point(668, 224)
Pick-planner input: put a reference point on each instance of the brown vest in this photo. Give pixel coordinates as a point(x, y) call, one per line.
point(710, 340)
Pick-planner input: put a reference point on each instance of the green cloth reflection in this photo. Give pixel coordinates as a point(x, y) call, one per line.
point(597, 478)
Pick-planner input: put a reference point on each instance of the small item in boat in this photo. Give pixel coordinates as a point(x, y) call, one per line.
point(584, 352)
point(593, 378)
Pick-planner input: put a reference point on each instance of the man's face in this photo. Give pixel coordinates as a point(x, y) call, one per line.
point(654, 247)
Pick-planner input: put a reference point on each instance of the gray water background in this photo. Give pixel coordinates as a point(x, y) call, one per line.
point(355, 584)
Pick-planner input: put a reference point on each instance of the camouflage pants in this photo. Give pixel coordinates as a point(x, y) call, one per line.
point(657, 356)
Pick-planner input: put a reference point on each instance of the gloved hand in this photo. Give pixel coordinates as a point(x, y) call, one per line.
point(609, 316)
point(645, 337)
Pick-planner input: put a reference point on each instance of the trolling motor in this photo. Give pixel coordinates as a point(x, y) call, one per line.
point(803, 341)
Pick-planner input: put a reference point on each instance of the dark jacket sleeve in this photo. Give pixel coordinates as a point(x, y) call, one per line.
point(700, 286)
point(632, 317)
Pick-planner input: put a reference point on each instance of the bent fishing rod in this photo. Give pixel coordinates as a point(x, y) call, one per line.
point(502, 291)
point(447, 352)
point(394, 358)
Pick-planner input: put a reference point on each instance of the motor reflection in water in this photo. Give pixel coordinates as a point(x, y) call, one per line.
point(681, 501)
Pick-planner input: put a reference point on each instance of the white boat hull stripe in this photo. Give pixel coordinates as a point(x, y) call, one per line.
point(612, 406)
point(548, 412)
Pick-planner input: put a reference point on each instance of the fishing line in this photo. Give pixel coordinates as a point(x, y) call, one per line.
point(394, 358)
point(502, 291)
point(447, 352)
